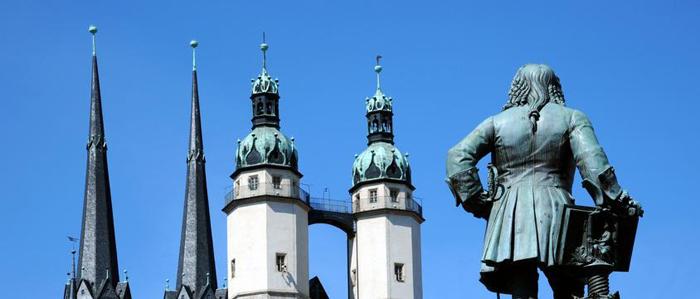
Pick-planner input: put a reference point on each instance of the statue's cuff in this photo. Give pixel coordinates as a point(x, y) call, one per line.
point(608, 182)
point(465, 184)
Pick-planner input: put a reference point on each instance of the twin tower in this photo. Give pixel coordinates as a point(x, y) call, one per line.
point(267, 213)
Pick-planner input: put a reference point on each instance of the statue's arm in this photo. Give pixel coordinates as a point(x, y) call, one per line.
point(462, 174)
point(591, 160)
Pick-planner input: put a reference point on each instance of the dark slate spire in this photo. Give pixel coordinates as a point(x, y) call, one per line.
point(196, 263)
point(98, 251)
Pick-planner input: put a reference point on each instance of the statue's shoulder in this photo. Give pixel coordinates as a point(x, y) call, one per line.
point(510, 113)
point(574, 116)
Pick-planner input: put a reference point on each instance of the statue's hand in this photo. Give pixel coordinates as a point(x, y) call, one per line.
point(477, 206)
point(633, 207)
point(626, 205)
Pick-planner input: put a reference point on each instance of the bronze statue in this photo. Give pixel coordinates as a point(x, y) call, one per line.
point(536, 143)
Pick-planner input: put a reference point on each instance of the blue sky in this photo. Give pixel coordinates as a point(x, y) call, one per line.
point(633, 68)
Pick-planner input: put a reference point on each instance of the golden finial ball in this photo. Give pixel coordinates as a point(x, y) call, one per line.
point(194, 43)
point(92, 29)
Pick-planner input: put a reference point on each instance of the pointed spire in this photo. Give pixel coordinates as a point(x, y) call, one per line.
point(196, 246)
point(98, 251)
point(96, 123)
point(196, 148)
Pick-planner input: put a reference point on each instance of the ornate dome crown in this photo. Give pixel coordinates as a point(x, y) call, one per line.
point(266, 145)
point(379, 102)
point(264, 83)
point(381, 160)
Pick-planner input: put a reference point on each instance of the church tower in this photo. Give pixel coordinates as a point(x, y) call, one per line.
point(196, 270)
point(98, 272)
point(267, 212)
point(385, 257)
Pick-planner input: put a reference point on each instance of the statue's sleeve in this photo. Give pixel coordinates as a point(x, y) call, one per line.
point(462, 174)
point(591, 160)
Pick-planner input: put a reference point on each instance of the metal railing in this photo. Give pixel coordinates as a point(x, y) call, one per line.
point(252, 190)
point(331, 205)
point(325, 204)
point(388, 202)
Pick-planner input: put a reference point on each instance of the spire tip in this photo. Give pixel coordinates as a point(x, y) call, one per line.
point(378, 69)
point(93, 30)
point(263, 47)
point(194, 44)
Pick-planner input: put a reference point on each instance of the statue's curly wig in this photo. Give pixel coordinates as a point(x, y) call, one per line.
point(534, 85)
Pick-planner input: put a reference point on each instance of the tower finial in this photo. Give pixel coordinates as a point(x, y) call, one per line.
point(264, 48)
point(378, 69)
point(93, 30)
point(194, 44)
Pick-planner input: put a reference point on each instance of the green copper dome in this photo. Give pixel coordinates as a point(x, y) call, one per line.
point(266, 146)
point(381, 160)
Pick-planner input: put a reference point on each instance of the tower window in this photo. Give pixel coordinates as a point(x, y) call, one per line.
point(373, 195)
point(398, 272)
point(280, 262)
point(276, 182)
point(233, 268)
point(237, 189)
point(253, 182)
point(394, 193)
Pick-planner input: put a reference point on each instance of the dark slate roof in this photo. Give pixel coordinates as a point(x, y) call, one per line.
point(184, 293)
point(98, 252)
point(207, 293)
point(196, 261)
point(222, 293)
point(123, 290)
point(316, 290)
point(88, 287)
point(107, 290)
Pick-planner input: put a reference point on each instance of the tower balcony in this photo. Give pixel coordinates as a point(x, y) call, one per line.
point(369, 203)
point(267, 189)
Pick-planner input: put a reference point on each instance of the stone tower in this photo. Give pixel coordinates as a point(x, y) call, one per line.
point(267, 212)
point(385, 259)
point(98, 271)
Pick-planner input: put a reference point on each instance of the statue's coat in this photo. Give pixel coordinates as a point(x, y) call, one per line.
point(536, 167)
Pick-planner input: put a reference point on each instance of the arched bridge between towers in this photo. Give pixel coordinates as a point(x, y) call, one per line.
point(337, 213)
